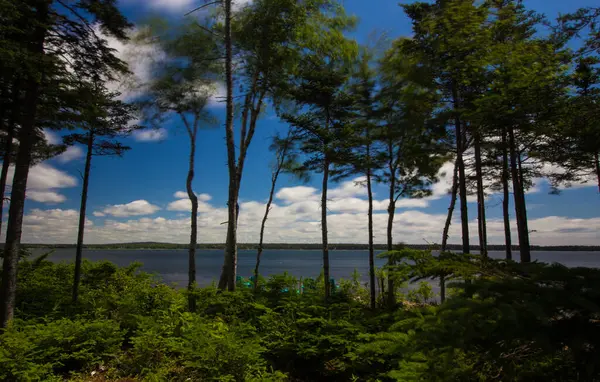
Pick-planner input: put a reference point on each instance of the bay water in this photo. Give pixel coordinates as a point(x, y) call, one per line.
point(171, 265)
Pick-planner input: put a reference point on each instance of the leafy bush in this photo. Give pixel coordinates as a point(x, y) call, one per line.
point(39, 351)
point(509, 322)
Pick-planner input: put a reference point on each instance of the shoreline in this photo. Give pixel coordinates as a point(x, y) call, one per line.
point(251, 247)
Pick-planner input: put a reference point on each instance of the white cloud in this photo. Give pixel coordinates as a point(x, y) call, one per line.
point(350, 188)
point(150, 135)
point(184, 6)
point(43, 176)
point(60, 226)
point(135, 208)
point(294, 217)
point(297, 194)
point(46, 196)
point(72, 153)
point(184, 195)
point(42, 181)
point(51, 137)
point(184, 204)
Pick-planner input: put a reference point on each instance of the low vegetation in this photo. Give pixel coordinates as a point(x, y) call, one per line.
point(509, 322)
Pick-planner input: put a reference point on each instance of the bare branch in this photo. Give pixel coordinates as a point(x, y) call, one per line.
point(202, 6)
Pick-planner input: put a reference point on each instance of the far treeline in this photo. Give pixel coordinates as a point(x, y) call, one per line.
point(304, 246)
point(505, 94)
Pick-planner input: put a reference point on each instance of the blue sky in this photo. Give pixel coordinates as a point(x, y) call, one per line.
point(134, 198)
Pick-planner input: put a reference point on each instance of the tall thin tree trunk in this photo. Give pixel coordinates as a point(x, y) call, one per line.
point(228, 275)
point(462, 181)
point(264, 221)
point(519, 198)
point(453, 193)
point(597, 160)
point(324, 229)
point(8, 148)
point(371, 246)
point(194, 223)
point(506, 196)
point(17, 204)
point(82, 208)
point(480, 198)
point(391, 296)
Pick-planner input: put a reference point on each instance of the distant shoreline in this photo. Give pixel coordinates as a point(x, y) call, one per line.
point(295, 246)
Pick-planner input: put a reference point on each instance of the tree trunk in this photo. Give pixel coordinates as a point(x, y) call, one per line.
point(17, 204)
point(324, 229)
point(371, 247)
point(391, 296)
point(264, 221)
point(82, 208)
point(506, 197)
point(453, 193)
point(194, 224)
point(462, 181)
point(228, 275)
point(480, 198)
point(8, 147)
point(519, 198)
point(597, 160)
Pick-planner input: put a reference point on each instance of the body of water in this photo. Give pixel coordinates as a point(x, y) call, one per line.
point(171, 265)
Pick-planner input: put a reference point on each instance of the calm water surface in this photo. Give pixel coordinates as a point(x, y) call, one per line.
point(171, 265)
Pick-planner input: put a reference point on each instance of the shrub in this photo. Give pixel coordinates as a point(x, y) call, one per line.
point(39, 351)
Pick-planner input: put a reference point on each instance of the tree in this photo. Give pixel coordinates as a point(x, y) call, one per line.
point(412, 139)
point(105, 121)
point(52, 35)
point(364, 159)
point(182, 88)
point(324, 127)
point(523, 102)
point(578, 154)
point(285, 161)
point(270, 39)
point(449, 41)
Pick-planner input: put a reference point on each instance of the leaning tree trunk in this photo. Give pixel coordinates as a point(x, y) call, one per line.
point(194, 225)
point(8, 148)
point(597, 163)
point(462, 180)
point(324, 229)
point(27, 137)
point(482, 229)
point(264, 221)
point(506, 197)
point(371, 246)
point(228, 275)
point(519, 198)
point(391, 296)
point(453, 193)
point(82, 208)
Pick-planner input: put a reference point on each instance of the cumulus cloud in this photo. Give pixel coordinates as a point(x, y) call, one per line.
point(411, 226)
point(150, 135)
point(43, 180)
point(183, 203)
point(178, 6)
point(297, 194)
point(46, 196)
point(51, 137)
point(294, 217)
point(135, 208)
point(72, 153)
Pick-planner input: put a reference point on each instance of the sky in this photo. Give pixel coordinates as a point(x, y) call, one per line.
point(140, 197)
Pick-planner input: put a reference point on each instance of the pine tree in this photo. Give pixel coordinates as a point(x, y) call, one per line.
point(324, 129)
point(105, 120)
point(182, 87)
point(49, 31)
